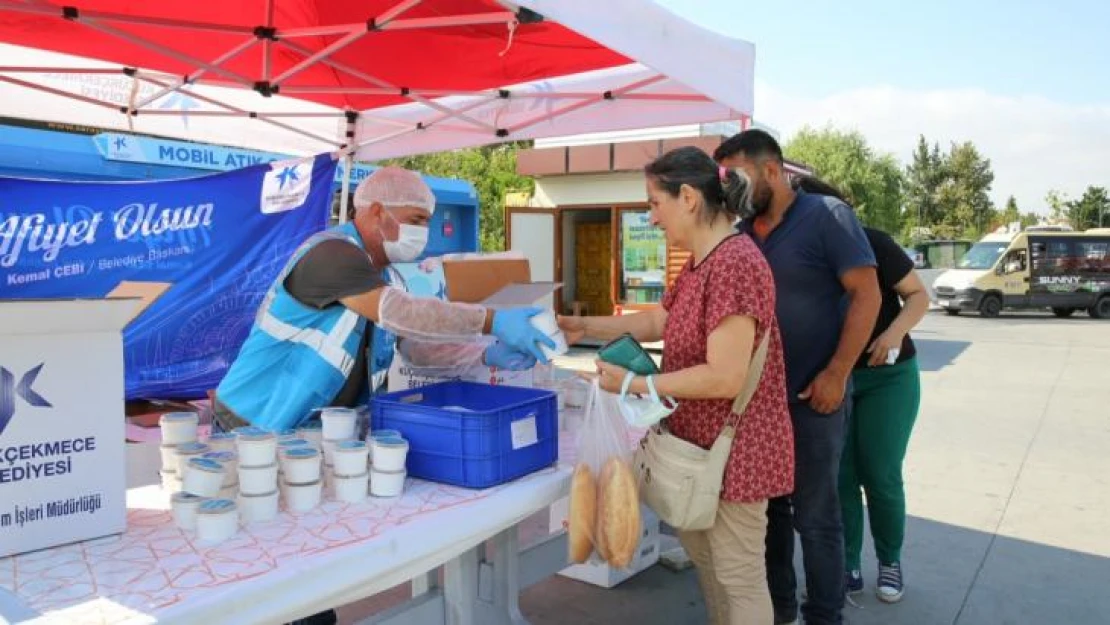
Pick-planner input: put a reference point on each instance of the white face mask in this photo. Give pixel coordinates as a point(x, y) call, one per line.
point(410, 244)
point(641, 415)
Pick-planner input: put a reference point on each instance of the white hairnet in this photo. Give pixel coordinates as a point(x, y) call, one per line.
point(394, 187)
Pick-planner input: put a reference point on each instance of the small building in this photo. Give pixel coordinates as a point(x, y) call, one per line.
point(587, 223)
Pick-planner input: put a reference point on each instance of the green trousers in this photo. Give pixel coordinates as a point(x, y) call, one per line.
point(884, 407)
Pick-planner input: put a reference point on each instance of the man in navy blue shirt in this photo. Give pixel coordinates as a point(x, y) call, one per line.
point(827, 300)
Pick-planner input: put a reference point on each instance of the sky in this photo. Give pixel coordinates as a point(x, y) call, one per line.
point(1027, 82)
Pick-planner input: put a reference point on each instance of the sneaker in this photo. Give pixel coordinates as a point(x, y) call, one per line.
point(853, 582)
point(890, 588)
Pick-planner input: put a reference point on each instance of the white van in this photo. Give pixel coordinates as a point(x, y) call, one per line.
point(1035, 269)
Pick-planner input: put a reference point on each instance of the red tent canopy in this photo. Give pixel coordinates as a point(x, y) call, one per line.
point(478, 71)
point(226, 42)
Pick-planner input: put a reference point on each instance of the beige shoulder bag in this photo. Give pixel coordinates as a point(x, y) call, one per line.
point(682, 482)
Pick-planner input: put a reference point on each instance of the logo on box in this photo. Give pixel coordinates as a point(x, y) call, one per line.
point(9, 390)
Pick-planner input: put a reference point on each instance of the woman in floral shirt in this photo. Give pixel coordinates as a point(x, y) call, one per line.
point(717, 311)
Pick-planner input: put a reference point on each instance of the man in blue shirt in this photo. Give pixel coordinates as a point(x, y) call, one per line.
point(827, 300)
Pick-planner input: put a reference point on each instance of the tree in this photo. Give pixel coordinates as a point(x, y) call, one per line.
point(1090, 211)
point(964, 198)
point(1030, 219)
point(492, 171)
point(1058, 204)
point(872, 182)
point(1011, 213)
point(924, 177)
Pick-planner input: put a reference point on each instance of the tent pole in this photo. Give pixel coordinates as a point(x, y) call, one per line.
point(266, 42)
point(349, 39)
point(382, 83)
point(58, 92)
point(87, 16)
point(392, 14)
point(391, 23)
point(236, 51)
point(348, 163)
point(167, 51)
point(615, 93)
point(349, 132)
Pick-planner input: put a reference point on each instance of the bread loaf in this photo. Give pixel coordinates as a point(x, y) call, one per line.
point(618, 514)
point(599, 531)
point(583, 513)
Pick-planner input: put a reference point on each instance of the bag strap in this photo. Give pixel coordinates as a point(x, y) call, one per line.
point(751, 383)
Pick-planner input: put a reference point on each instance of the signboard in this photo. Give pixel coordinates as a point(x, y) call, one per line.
point(154, 151)
point(644, 254)
point(220, 240)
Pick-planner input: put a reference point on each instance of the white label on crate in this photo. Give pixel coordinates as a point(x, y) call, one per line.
point(524, 432)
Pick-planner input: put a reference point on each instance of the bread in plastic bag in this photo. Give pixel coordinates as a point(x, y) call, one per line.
point(604, 452)
point(582, 515)
point(618, 513)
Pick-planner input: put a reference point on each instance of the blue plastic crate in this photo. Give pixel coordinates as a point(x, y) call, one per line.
point(505, 432)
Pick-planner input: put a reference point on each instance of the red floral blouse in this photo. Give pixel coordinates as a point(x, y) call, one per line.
point(733, 280)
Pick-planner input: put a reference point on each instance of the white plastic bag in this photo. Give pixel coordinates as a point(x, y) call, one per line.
point(604, 432)
point(604, 508)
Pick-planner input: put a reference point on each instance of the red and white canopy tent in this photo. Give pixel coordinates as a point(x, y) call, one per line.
point(374, 78)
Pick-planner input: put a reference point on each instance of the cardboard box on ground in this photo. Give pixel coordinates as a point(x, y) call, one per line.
point(599, 573)
point(62, 457)
point(499, 280)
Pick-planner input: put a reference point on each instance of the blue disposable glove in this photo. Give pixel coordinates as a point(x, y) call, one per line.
point(513, 326)
point(504, 357)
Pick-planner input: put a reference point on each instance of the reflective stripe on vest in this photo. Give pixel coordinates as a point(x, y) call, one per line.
point(328, 346)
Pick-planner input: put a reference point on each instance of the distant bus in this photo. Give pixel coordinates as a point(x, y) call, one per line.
point(1064, 271)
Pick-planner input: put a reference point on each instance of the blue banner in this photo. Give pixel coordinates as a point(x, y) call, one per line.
point(220, 240)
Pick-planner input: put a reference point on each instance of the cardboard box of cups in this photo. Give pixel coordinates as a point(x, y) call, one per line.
point(245, 475)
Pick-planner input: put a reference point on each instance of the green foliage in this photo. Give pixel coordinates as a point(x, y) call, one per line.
point(949, 193)
point(1010, 214)
point(1092, 210)
point(924, 177)
point(1057, 203)
point(963, 197)
point(492, 171)
point(873, 182)
point(1030, 219)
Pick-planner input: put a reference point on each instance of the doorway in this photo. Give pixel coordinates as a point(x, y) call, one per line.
point(587, 260)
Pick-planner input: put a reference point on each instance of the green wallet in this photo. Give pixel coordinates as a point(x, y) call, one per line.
point(625, 351)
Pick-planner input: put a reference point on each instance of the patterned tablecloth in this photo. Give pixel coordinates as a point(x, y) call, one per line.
point(157, 572)
point(154, 566)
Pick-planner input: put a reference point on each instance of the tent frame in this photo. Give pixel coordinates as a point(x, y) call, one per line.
point(267, 84)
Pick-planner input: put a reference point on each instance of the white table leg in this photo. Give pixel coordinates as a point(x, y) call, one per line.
point(499, 582)
point(460, 589)
point(423, 584)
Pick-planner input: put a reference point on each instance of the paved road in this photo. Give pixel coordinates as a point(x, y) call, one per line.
point(1008, 481)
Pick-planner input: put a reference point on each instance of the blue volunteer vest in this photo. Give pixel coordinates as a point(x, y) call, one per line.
point(297, 358)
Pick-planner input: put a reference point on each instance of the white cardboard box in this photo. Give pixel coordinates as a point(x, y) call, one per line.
point(601, 574)
point(62, 457)
point(403, 376)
